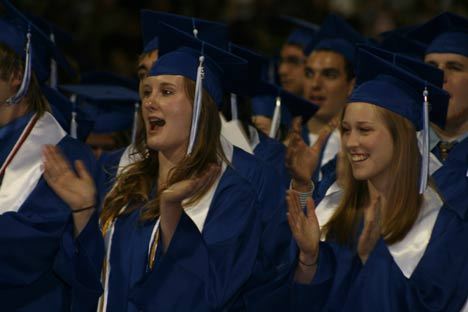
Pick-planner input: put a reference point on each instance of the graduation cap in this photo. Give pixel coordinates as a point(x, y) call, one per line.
point(430, 74)
point(281, 106)
point(213, 32)
point(59, 38)
point(63, 110)
point(27, 39)
point(303, 32)
point(113, 108)
point(336, 35)
point(213, 69)
point(445, 33)
point(387, 85)
point(397, 41)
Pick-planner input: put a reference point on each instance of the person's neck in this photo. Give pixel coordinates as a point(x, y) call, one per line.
point(8, 113)
point(315, 125)
point(167, 161)
point(451, 133)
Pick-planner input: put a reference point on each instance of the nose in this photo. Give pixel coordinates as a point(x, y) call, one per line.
point(351, 139)
point(283, 69)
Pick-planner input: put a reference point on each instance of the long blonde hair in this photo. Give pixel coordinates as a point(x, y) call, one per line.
point(133, 187)
point(404, 199)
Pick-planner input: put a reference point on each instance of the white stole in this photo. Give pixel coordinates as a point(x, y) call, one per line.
point(25, 170)
point(408, 252)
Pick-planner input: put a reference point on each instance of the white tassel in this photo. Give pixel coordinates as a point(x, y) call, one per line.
point(425, 144)
point(73, 123)
point(234, 112)
point(196, 105)
point(23, 89)
point(275, 122)
point(53, 81)
point(135, 122)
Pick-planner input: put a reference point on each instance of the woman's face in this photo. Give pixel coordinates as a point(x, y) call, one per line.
point(167, 113)
point(367, 142)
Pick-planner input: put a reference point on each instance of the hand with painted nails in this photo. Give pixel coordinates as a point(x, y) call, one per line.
point(372, 229)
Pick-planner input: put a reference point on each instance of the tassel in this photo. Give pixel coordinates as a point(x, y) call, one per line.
point(425, 144)
point(23, 90)
point(275, 122)
point(73, 122)
point(234, 112)
point(196, 105)
point(135, 122)
point(53, 81)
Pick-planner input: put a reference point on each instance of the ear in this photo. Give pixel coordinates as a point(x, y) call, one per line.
point(16, 79)
point(351, 86)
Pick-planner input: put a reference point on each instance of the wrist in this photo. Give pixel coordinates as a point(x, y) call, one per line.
point(302, 186)
point(307, 259)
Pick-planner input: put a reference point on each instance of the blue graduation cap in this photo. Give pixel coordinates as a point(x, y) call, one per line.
point(430, 74)
point(445, 33)
point(59, 38)
point(281, 106)
point(28, 41)
point(213, 69)
point(213, 32)
point(63, 111)
point(303, 32)
point(336, 35)
point(111, 107)
point(397, 41)
point(387, 85)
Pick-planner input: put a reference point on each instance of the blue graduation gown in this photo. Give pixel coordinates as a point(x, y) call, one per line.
point(438, 283)
point(199, 271)
point(452, 180)
point(273, 153)
point(30, 239)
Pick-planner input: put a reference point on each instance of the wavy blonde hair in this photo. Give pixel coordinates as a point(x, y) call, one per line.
point(133, 187)
point(404, 198)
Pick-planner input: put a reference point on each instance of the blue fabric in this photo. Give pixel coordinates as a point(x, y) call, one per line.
point(30, 242)
point(10, 133)
point(452, 181)
point(328, 178)
point(273, 153)
point(342, 283)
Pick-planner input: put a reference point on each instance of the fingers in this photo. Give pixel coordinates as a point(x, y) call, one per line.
point(82, 171)
point(296, 125)
point(310, 212)
point(55, 164)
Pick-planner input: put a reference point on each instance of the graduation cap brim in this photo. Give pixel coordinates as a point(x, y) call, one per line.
point(296, 105)
point(43, 48)
point(384, 84)
point(337, 35)
point(215, 33)
point(303, 31)
point(102, 93)
point(180, 53)
point(445, 33)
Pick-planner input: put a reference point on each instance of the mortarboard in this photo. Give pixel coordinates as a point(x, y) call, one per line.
point(336, 35)
point(430, 74)
point(111, 107)
point(213, 69)
point(303, 32)
point(387, 85)
point(212, 32)
point(445, 33)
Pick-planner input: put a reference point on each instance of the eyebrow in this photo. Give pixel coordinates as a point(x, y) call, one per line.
point(454, 63)
point(168, 84)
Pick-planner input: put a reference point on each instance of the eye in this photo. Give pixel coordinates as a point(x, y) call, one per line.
point(455, 66)
point(167, 91)
point(365, 129)
point(345, 129)
point(146, 92)
point(309, 73)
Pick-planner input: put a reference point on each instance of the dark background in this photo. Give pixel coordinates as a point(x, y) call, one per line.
point(106, 33)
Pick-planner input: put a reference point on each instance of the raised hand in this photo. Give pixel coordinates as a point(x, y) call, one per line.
point(302, 160)
point(172, 197)
point(304, 227)
point(371, 231)
point(76, 189)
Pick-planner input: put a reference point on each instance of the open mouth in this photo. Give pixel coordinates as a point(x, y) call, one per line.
point(155, 123)
point(359, 157)
point(317, 99)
